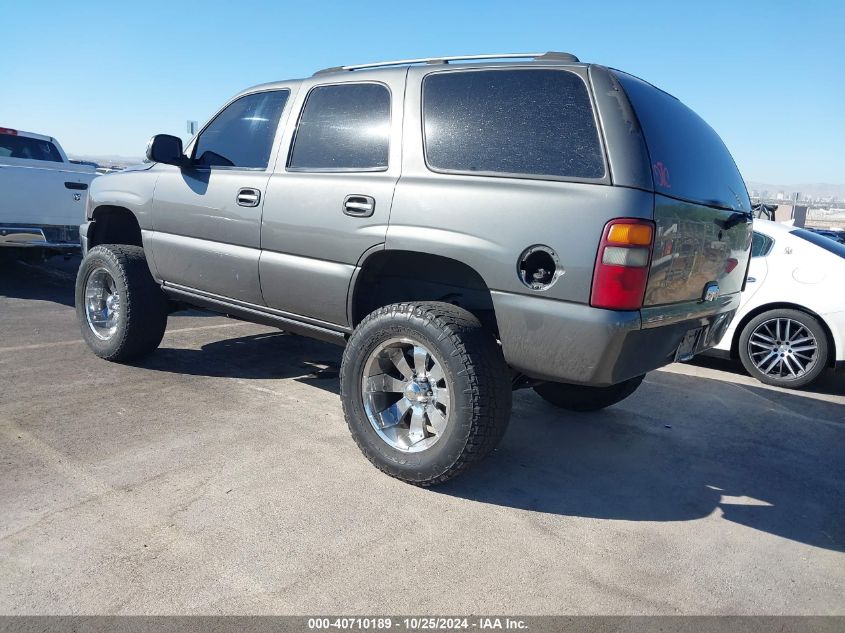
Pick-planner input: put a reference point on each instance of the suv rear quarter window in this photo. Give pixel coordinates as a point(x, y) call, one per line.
point(688, 159)
point(521, 122)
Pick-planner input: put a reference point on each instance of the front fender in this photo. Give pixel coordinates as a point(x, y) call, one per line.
point(132, 189)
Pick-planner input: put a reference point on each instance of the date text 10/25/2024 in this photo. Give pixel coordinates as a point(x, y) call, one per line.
point(417, 623)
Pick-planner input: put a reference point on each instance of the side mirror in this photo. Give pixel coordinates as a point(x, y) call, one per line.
point(167, 149)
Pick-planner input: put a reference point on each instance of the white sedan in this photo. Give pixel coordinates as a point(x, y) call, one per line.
point(791, 322)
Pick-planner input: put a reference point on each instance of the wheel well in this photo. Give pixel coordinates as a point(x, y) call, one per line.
point(115, 225)
point(394, 276)
point(783, 305)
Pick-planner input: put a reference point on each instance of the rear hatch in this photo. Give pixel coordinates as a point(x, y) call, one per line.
point(702, 211)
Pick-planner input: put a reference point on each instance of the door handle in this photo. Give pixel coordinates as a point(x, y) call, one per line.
point(359, 206)
point(248, 197)
point(751, 280)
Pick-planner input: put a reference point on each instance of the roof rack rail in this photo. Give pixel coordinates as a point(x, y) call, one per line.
point(547, 56)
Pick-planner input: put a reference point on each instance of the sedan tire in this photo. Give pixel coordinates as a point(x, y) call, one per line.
point(784, 348)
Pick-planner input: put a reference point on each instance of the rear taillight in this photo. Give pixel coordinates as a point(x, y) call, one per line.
point(8, 130)
point(621, 272)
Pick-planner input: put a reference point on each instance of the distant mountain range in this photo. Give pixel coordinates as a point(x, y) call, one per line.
point(812, 190)
point(108, 160)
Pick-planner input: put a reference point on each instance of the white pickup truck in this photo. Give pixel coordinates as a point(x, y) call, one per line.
point(42, 194)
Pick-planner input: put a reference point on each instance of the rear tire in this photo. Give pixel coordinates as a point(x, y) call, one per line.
point(581, 398)
point(425, 391)
point(122, 311)
point(798, 341)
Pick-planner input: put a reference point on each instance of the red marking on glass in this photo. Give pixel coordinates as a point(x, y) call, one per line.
point(662, 173)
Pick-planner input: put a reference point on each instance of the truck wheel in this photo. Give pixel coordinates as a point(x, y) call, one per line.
point(581, 398)
point(786, 348)
point(121, 309)
point(425, 390)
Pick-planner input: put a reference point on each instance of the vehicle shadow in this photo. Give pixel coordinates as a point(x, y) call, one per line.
point(271, 355)
point(51, 281)
point(682, 448)
point(831, 382)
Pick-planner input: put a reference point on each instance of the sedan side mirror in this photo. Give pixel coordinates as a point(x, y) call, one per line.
point(167, 149)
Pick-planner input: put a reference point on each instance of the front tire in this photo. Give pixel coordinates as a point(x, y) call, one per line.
point(583, 399)
point(425, 391)
point(784, 348)
point(122, 311)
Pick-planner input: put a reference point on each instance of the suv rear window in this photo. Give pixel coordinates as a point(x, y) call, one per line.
point(688, 159)
point(28, 148)
point(527, 122)
point(343, 127)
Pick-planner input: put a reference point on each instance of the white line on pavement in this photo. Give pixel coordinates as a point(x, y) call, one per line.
point(76, 342)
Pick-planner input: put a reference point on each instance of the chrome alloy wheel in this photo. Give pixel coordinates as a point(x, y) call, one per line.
point(102, 303)
point(783, 348)
point(406, 395)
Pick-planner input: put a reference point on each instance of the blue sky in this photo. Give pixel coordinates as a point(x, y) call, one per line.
point(103, 77)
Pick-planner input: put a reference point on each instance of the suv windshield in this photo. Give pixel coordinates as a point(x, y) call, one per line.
point(828, 244)
point(688, 159)
point(28, 148)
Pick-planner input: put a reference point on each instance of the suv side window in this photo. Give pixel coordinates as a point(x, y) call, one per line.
point(242, 134)
point(761, 245)
point(343, 127)
point(528, 122)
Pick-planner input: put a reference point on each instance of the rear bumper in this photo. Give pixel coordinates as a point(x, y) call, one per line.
point(53, 237)
point(575, 343)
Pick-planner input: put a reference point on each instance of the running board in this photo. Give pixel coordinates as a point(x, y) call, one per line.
point(254, 314)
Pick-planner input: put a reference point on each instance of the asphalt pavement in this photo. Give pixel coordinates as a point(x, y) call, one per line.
point(217, 476)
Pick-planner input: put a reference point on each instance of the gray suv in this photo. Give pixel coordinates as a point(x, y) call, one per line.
point(465, 226)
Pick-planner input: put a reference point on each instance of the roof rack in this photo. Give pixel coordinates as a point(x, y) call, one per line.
point(548, 56)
